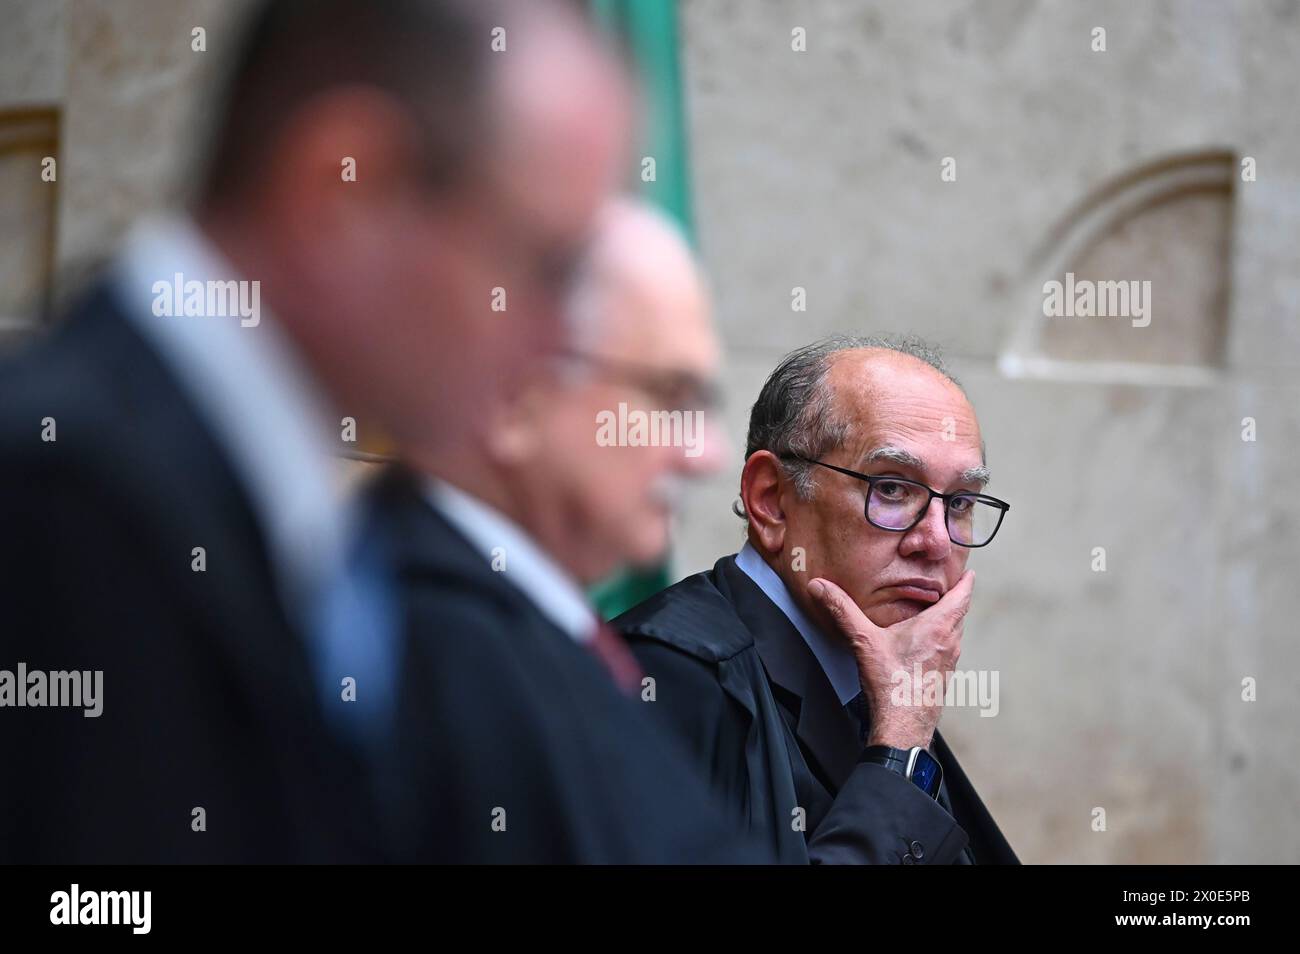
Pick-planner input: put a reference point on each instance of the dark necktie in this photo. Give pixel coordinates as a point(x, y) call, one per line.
point(857, 708)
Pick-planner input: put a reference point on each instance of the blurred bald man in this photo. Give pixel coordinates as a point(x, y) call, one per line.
point(523, 744)
point(598, 455)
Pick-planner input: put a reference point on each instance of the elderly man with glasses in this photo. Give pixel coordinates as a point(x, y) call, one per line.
point(781, 667)
point(522, 738)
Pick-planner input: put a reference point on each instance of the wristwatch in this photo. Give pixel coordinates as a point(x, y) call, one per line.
point(915, 763)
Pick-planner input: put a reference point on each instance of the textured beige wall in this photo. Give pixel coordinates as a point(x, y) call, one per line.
point(31, 84)
point(132, 121)
point(124, 76)
point(1121, 689)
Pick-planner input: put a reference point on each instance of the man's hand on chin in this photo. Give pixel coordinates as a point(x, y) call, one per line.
point(930, 640)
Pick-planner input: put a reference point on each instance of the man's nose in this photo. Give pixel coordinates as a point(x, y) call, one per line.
point(930, 536)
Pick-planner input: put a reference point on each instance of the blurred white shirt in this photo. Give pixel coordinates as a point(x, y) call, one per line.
point(260, 403)
point(546, 585)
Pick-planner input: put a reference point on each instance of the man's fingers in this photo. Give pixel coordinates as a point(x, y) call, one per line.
point(843, 611)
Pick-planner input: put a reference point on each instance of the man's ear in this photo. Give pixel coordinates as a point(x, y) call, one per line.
point(762, 484)
point(513, 429)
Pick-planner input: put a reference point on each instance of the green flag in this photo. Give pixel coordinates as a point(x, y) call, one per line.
point(648, 32)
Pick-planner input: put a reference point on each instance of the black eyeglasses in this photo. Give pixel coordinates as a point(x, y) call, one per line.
point(898, 504)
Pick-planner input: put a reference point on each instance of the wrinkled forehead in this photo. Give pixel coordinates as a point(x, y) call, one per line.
point(891, 400)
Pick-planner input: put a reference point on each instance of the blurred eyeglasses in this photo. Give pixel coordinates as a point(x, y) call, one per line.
point(898, 504)
point(669, 390)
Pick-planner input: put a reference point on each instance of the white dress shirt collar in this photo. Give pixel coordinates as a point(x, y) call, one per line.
point(834, 654)
point(260, 403)
point(504, 543)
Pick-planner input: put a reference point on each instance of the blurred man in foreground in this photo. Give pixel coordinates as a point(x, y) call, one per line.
point(788, 668)
point(166, 489)
point(524, 745)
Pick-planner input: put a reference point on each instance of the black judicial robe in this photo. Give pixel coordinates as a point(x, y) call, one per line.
point(208, 700)
point(738, 684)
point(515, 746)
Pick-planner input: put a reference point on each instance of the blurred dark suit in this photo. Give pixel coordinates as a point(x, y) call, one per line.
point(501, 709)
point(208, 701)
point(740, 686)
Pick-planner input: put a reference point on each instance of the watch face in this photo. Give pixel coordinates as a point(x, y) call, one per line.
point(927, 772)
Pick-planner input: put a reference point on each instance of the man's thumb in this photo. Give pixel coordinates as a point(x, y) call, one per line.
point(842, 610)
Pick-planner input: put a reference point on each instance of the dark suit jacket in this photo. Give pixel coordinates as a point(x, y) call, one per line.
point(501, 710)
point(736, 681)
point(207, 697)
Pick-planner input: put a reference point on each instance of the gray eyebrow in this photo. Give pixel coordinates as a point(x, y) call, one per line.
point(972, 475)
point(895, 454)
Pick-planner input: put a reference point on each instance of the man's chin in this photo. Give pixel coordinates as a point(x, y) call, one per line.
point(895, 611)
point(649, 551)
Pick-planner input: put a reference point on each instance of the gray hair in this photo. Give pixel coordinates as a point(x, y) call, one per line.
point(795, 412)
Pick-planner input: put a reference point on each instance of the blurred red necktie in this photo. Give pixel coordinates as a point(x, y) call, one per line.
point(611, 649)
